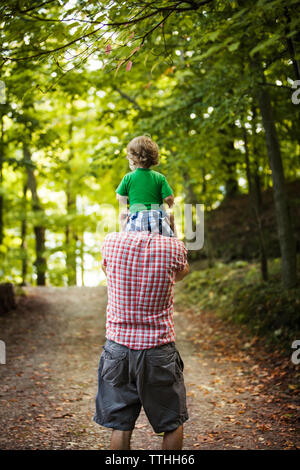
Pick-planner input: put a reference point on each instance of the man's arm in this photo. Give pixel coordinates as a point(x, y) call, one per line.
point(181, 274)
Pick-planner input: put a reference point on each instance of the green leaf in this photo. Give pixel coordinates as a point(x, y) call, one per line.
point(156, 64)
point(233, 47)
point(213, 36)
point(264, 44)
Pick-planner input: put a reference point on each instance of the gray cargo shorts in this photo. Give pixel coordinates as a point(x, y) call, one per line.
point(129, 379)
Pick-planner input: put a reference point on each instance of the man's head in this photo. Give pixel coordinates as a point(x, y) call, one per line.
point(142, 152)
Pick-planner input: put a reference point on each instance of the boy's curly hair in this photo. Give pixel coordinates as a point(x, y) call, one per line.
point(142, 151)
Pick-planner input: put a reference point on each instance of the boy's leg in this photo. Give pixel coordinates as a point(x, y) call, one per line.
point(172, 221)
point(120, 440)
point(123, 218)
point(173, 439)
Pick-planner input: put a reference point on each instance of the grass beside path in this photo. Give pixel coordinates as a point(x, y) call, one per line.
point(235, 292)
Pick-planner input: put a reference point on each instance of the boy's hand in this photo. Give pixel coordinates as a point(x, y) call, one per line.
point(169, 200)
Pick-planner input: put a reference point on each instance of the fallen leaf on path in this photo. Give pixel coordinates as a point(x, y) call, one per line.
point(66, 415)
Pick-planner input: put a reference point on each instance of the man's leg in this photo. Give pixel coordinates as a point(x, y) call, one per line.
point(173, 439)
point(120, 440)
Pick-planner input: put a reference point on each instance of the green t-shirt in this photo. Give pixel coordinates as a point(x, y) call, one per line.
point(144, 187)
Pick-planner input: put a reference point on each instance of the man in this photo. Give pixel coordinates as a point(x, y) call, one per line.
point(140, 365)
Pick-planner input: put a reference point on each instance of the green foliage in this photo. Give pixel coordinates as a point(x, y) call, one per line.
point(236, 293)
point(192, 86)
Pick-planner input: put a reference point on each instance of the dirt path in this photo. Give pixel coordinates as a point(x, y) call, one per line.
point(236, 400)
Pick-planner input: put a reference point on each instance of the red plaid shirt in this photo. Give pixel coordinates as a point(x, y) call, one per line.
point(141, 268)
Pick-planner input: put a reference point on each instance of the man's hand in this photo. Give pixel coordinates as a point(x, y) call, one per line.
point(103, 268)
point(181, 274)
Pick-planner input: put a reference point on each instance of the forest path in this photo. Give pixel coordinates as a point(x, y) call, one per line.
point(48, 385)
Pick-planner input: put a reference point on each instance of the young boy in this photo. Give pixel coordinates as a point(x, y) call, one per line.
point(145, 190)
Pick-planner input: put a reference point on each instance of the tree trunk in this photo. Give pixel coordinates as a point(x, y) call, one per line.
point(23, 234)
point(208, 243)
point(188, 188)
point(70, 247)
point(1, 178)
point(207, 240)
point(40, 262)
point(229, 164)
point(7, 298)
point(284, 225)
point(82, 258)
point(254, 196)
point(39, 230)
point(71, 237)
point(291, 46)
point(258, 201)
point(204, 186)
point(255, 153)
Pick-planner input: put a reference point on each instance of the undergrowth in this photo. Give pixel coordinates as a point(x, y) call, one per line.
point(235, 292)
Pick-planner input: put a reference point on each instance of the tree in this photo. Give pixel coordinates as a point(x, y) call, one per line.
point(200, 76)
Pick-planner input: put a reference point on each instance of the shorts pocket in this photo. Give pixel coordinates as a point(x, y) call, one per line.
point(114, 368)
point(163, 369)
point(180, 361)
